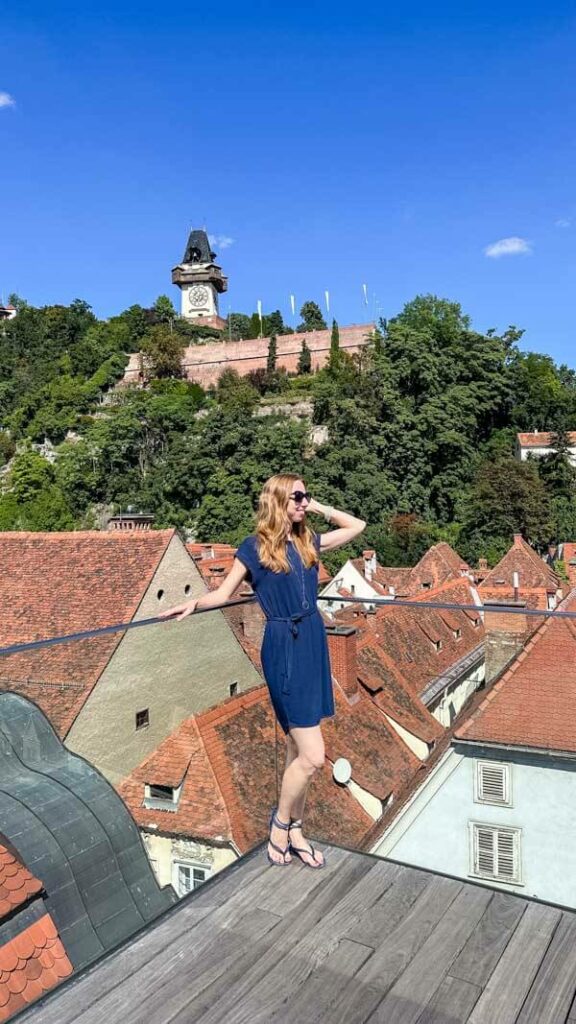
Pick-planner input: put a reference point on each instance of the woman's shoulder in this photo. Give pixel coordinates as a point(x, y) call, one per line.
point(248, 547)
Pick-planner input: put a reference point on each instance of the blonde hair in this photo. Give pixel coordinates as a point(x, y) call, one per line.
point(273, 525)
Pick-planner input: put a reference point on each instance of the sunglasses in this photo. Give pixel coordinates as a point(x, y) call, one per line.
point(299, 496)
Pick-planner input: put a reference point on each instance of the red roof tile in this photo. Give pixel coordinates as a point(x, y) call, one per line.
point(31, 964)
point(533, 703)
point(17, 885)
point(438, 565)
point(541, 439)
point(229, 784)
point(59, 583)
point(401, 632)
point(523, 559)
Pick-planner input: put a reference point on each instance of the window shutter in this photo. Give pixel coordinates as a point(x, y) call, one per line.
point(496, 853)
point(506, 867)
point(493, 782)
point(485, 851)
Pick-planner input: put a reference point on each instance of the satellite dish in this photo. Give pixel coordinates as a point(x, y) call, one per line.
point(342, 771)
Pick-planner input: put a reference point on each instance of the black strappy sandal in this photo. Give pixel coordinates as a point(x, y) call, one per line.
point(297, 823)
point(276, 823)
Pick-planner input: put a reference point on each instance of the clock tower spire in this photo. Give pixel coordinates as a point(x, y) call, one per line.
point(199, 279)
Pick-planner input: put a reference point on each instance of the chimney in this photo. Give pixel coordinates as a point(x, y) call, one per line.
point(482, 564)
point(516, 585)
point(370, 564)
point(342, 648)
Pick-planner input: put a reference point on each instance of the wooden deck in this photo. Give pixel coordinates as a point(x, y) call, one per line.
point(362, 940)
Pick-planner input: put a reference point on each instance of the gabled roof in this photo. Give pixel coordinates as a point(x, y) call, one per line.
point(533, 703)
point(541, 439)
point(523, 559)
point(438, 565)
point(226, 759)
point(403, 633)
point(392, 693)
point(60, 583)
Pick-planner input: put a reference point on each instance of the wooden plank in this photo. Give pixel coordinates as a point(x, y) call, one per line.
point(395, 952)
point(222, 886)
point(228, 1002)
point(511, 980)
point(61, 1005)
point(418, 983)
point(452, 1003)
point(173, 981)
point(551, 995)
point(373, 928)
point(287, 977)
point(489, 940)
point(311, 1003)
point(162, 941)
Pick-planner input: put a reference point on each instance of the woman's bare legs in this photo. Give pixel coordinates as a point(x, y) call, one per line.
point(304, 756)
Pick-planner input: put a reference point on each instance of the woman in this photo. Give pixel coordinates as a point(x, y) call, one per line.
point(281, 562)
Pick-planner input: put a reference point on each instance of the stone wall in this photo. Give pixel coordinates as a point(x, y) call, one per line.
point(205, 363)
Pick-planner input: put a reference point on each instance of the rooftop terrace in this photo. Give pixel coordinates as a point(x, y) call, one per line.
point(363, 940)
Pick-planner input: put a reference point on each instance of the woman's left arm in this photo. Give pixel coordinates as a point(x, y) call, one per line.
point(347, 527)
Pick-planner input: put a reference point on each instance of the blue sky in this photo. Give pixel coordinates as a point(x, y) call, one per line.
point(335, 145)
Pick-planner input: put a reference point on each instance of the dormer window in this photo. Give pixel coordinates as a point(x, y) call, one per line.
point(162, 798)
point(457, 634)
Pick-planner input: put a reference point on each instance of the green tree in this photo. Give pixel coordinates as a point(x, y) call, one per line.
point(272, 355)
point(238, 327)
point(163, 351)
point(312, 319)
point(334, 358)
point(304, 359)
point(506, 497)
point(163, 310)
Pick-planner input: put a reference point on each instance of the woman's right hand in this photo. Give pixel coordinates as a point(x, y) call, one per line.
point(180, 611)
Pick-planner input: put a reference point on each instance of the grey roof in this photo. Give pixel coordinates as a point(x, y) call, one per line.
point(198, 249)
point(73, 833)
point(362, 940)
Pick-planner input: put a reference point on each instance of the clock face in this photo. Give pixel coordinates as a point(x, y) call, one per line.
point(198, 296)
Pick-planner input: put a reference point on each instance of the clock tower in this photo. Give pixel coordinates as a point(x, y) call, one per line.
point(199, 279)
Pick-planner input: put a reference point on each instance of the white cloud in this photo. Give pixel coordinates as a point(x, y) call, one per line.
point(220, 241)
point(6, 100)
point(563, 222)
point(508, 247)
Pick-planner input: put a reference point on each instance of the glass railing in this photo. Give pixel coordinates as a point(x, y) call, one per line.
point(140, 757)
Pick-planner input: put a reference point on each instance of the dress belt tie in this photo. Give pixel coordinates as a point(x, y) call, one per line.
point(291, 621)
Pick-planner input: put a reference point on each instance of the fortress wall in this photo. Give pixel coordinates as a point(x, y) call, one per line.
point(205, 363)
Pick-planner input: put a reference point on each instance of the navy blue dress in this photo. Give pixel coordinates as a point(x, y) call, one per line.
point(294, 651)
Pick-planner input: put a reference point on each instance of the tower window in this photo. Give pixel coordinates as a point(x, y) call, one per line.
point(142, 719)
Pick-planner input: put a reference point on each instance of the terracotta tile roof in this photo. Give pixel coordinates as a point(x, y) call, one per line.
point(58, 583)
point(533, 703)
point(392, 693)
point(17, 885)
point(523, 559)
point(438, 565)
point(569, 559)
point(31, 964)
point(541, 439)
point(403, 634)
point(214, 562)
point(228, 758)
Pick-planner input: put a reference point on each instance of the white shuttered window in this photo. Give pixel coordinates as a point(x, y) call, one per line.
point(493, 783)
point(496, 852)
